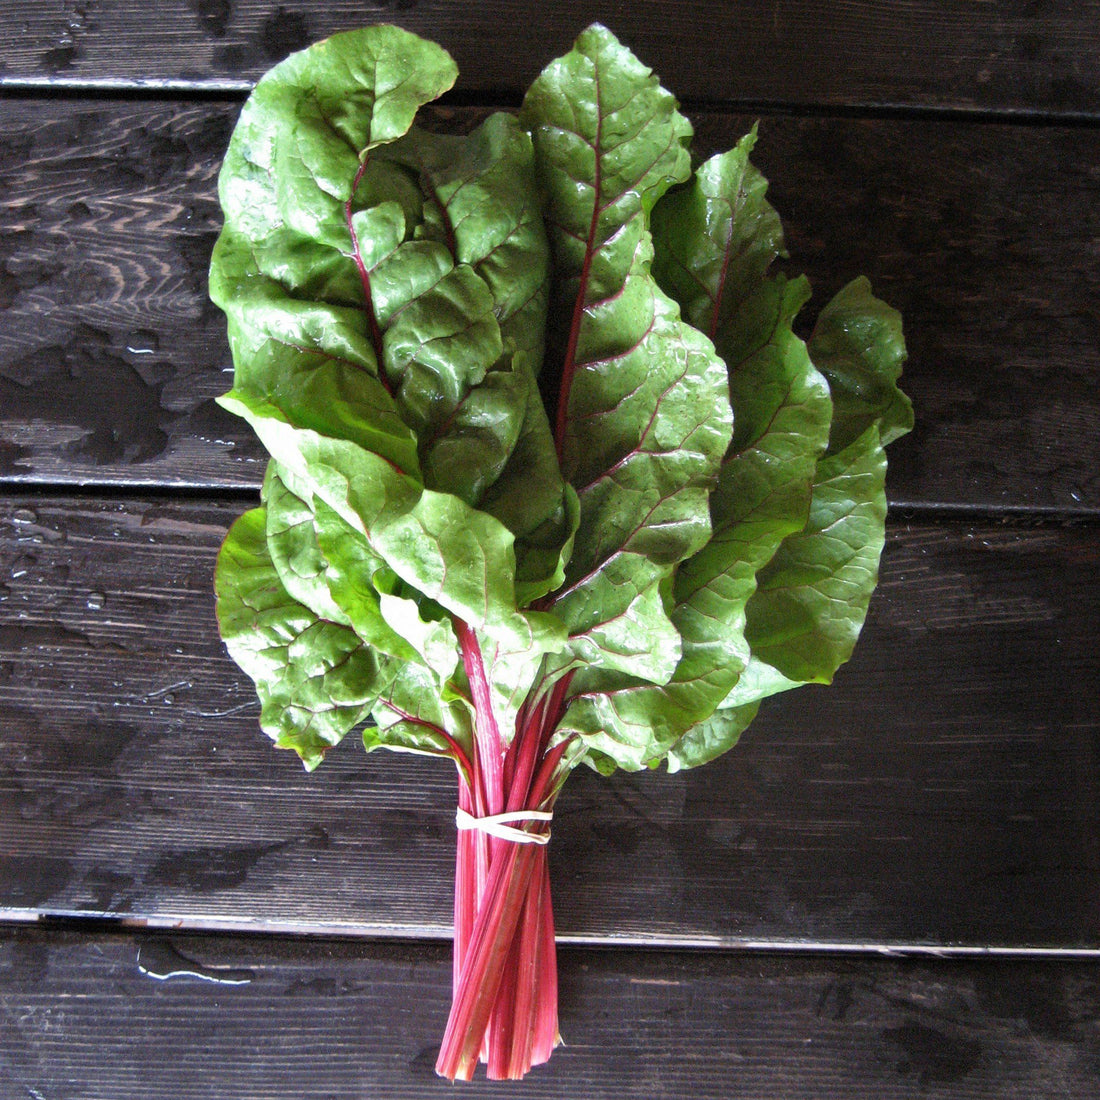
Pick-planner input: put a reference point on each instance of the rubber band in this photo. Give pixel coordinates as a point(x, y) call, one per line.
point(498, 825)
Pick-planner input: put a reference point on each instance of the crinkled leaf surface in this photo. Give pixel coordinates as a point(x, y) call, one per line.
point(498, 450)
point(385, 318)
point(414, 715)
point(482, 204)
point(716, 238)
point(295, 551)
point(453, 554)
point(858, 345)
point(642, 419)
point(763, 494)
point(315, 679)
point(712, 736)
point(812, 598)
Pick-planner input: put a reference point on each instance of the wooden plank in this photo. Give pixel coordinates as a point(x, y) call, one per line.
point(111, 355)
point(85, 1016)
point(945, 790)
point(1008, 56)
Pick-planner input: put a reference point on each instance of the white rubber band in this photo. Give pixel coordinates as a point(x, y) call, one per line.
point(498, 825)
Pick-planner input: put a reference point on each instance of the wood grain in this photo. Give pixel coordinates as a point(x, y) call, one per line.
point(945, 790)
point(984, 235)
point(942, 795)
point(85, 1016)
point(1014, 55)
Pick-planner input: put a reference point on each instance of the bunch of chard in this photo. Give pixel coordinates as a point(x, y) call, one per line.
point(552, 478)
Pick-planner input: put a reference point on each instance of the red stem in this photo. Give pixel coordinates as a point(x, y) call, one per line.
point(490, 747)
point(483, 967)
point(569, 363)
point(504, 1008)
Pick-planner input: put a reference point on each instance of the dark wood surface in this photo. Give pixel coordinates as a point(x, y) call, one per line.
point(942, 797)
point(137, 783)
point(111, 355)
point(1023, 55)
point(242, 1018)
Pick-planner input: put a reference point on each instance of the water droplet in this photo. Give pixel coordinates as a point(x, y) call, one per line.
point(169, 699)
point(24, 515)
point(96, 601)
point(142, 342)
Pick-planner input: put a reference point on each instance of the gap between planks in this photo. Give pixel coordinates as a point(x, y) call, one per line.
point(15, 921)
point(161, 90)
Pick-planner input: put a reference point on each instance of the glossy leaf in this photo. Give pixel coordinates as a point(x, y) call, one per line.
point(642, 417)
point(716, 237)
point(858, 345)
point(812, 598)
point(315, 679)
point(497, 450)
point(482, 204)
point(763, 493)
point(711, 737)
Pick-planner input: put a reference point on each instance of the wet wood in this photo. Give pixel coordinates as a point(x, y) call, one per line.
point(111, 354)
point(945, 790)
point(1013, 55)
point(288, 1020)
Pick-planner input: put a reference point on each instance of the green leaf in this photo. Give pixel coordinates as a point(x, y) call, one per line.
point(494, 447)
point(355, 320)
point(711, 737)
point(300, 152)
point(414, 715)
point(643, 416)
point(351, 572)
point(763, 494)
point(386, 291)
point(812, 598)
point(456, 555)
point(533, 500)
point(857, 344)
point(295, 551)
point(716, 237)
point(483, 205)
point(314, 362)
point(315, 679)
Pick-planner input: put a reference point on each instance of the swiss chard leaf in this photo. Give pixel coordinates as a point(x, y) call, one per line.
point(812, 598)
point(716, 238)
point(711, 737)
point(857, 344)
point(315, 679)
point(385, 318)
point(481, 202)
point(762, 496)
point(642, 417)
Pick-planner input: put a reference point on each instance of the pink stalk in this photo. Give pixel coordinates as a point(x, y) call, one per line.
point(504, 1008)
